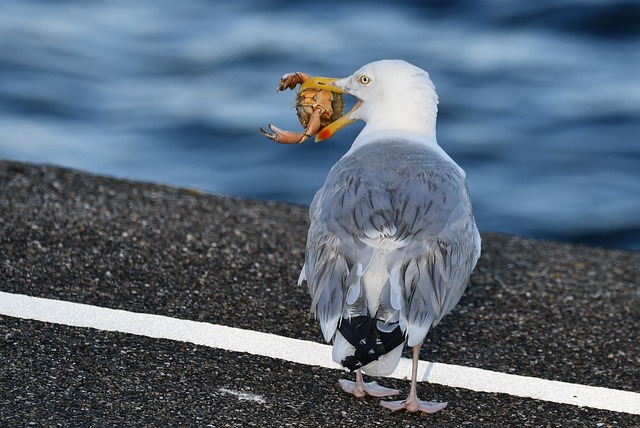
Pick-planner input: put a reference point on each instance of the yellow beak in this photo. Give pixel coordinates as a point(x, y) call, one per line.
point(326, 83)
point(321, 83)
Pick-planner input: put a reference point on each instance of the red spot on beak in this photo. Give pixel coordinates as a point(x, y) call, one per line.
point(324, 134)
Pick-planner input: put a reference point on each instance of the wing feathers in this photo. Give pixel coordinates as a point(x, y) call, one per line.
point(409, 212)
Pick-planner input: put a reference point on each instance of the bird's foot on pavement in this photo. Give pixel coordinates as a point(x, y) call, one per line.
point(370, 388)
point(414, 405)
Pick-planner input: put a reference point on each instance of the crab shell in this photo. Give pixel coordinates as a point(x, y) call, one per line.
point(330, 103)
point(316, 109)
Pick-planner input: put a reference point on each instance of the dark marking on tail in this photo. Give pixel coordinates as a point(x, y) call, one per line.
point(370, 343)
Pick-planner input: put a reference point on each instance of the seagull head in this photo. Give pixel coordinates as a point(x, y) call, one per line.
point(393, 95)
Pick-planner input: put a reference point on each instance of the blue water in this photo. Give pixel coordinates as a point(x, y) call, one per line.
point(539, 101)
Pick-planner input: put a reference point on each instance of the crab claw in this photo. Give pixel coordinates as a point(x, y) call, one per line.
point(291, 80)
point(288, 137)
point(284, 137)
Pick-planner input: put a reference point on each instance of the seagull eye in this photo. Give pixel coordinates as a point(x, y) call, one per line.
point(365, 80)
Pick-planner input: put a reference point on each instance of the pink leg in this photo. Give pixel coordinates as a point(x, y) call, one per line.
point(412, 403)
point(360, 389)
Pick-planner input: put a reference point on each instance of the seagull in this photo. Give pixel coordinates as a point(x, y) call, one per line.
point(392, 239)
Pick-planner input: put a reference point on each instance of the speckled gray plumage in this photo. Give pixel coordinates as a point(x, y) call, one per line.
point(401, 205)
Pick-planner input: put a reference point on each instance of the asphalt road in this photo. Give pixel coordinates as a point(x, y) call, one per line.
point(535, 308)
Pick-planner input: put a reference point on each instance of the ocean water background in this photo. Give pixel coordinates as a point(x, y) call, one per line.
point(539, 101)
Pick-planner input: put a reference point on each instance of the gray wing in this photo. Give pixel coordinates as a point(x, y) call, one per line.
point(410, 209)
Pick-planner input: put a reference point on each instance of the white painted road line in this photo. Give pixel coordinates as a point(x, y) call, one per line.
point(308, 353)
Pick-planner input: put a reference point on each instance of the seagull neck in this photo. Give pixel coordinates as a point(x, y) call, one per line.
point(368, 136)
point(426, 141)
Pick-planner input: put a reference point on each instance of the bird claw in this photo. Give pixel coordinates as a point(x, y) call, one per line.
point(369, 388)
point(414, 406)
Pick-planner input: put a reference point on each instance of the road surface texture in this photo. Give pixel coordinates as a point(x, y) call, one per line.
point(534, 308)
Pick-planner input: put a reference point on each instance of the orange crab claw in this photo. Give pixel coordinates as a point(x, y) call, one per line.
point(288, 137)
point(291, 80)
point(284, 137)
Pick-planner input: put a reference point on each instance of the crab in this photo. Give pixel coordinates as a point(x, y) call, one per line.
point(316, 109)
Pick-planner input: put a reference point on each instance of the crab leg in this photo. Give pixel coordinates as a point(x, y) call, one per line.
point(288, 137)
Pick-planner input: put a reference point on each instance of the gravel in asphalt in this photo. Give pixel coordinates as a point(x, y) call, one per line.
point(536, 308)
